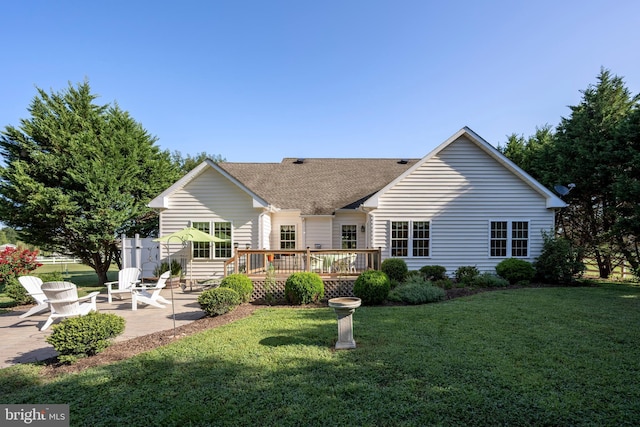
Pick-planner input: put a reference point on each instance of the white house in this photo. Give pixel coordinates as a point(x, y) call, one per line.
point(462, 204)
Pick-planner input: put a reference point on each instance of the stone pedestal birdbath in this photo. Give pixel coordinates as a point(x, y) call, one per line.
point(344, 308)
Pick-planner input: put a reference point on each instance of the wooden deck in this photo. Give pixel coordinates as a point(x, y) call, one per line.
point(329, 263)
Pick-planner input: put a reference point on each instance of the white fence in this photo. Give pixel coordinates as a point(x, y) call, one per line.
point(47, 260)
point(141, 252)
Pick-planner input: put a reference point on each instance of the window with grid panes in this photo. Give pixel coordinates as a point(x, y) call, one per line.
point(420, 240)
point(509, 237)
point(519, 238)
point(499, 238)
point(202, 249)
point(349, 236)
point(399, 238)
point(287, 237)
point(222, 230)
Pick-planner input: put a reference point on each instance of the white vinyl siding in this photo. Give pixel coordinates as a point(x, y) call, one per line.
point(209, 198)
point(458, 191)
point(286, 218)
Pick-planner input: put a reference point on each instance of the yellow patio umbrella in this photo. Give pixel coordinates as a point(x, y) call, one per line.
point(187, 234)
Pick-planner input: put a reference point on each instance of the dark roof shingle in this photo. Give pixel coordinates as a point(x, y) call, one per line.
point(317, 186)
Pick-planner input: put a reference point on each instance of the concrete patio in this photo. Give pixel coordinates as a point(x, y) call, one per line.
point(23, 342)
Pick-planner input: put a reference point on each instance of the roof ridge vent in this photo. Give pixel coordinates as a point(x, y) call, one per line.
point(299, 161)
point(403, 161)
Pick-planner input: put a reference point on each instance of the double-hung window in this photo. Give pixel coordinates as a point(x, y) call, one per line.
point(410, 238)
point(220, 229)
point(287, 237)
point(509, 238)
point(349, 236)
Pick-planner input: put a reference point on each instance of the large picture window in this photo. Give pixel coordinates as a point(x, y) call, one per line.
point(410, 238)
point(222, 230)
point(509, 238)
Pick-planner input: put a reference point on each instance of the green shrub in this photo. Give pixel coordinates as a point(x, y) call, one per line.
point(417, 291)
point(465, 274)
point(559, 261)
point(54, 276)
point(443, 283)
point(488, 280)
point(304, 288)
point(239, 283)
point(219, 301)
point(14, 290)
point(372, 287)
point(83, 336)
point(515, 270)
point(434, 272)
point(395, 268)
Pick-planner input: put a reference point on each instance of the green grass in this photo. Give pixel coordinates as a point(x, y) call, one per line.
point(544, 356)
point(80, 274)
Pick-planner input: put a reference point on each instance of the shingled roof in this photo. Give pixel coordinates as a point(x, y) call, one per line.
point(317, 186)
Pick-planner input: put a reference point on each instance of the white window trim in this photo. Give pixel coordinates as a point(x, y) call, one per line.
point(509, 222)
point(212, 252)
point(410, 237)
point(296, 235)
point(349, 224)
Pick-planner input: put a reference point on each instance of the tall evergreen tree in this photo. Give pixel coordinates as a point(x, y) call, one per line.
point(77, 174)
point(585, 153)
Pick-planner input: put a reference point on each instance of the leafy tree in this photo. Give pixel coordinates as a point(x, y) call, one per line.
point(188, 162)
point(8, 235)
point(78, 174)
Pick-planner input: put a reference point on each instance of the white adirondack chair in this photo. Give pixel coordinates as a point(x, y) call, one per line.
point(127, 277)
point(64, 301)
point(33, 285)
point(150, 294)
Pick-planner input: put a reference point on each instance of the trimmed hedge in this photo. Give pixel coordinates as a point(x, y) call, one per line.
point(304, 288)
point(77, 337)
point(395, 268)
point(516, 270)
point(434, 272)
point(219, 301)
point(239, 283)
point(372, 287)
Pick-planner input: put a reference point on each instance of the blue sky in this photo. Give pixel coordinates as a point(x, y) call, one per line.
point(256, 81)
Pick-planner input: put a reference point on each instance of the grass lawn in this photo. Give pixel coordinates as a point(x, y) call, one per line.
point(544, 356)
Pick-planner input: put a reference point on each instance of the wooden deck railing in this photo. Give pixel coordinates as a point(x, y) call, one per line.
point(332, 262)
